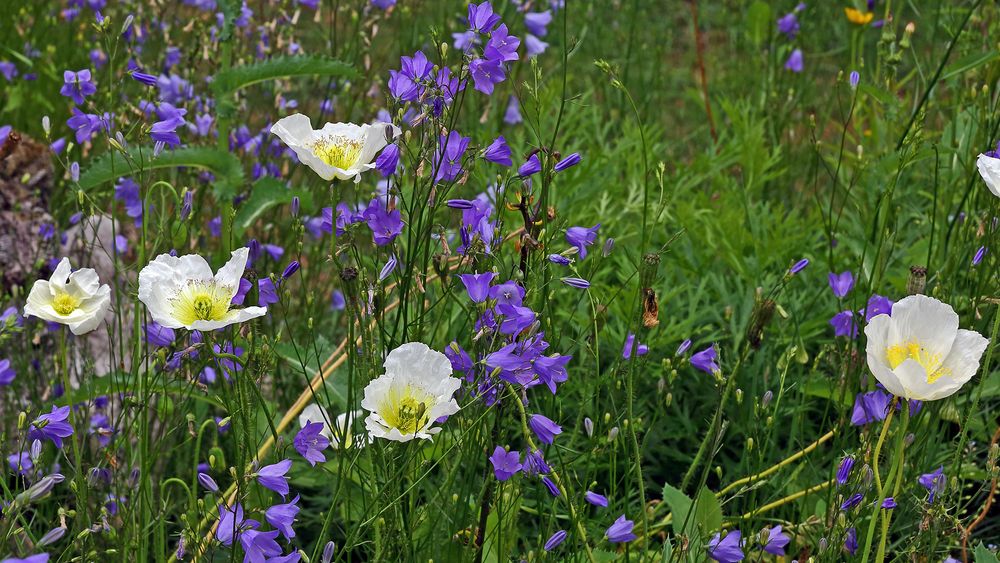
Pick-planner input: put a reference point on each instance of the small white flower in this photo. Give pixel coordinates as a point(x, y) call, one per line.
point(415, 391)
point(919, 352)
point(989, 169)
point(75, 299)
point(338, 150)
point(182, 292)
point(342, 426)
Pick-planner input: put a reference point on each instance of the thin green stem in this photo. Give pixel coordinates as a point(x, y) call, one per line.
point(878, 478)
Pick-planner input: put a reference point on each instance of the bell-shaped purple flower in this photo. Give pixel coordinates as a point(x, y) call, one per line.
point(388, 160)
point(498, 152)
point(478, 285)
point(841, 283)
point(282, 516)
point(544, 428)
point(620, 531)
point(273, 476)
point(705, 360)
point(481, 17)
point(726, 549)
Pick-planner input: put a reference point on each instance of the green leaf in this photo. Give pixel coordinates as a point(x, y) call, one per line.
point(111, 166)
point(679, 504)
point(828, 390)
point(708, 512)
point(500, 539)
point(759, 22)
point(983, 554)
point(707, 515)
point(266, 193)
point(968, 63)
point(230, 80)
point(120, 382)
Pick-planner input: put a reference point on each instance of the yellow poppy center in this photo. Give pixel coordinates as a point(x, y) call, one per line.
point(201, 302)
point(65, 303)
point(340, 152)
point(931, 362)
point(406, 409)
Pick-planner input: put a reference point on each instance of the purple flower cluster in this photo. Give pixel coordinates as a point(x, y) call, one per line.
point(788, 25)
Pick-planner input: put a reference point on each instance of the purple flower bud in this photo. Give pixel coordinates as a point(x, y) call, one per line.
point(74, 171)
point(206, 481)
point(559, 259)
point(799, 266)
point(295, 206)
point(683, 347)
point(387, 269)
point(576, 282)
point(52, 536)
point(851, 501)
point(147, 79)
point(290, 270)
point(553, 489)
point(596, 499)
point(844, 471)
point(554, 541)
point(460, 204)
point(608, 246)
point(588, 427)
point(568, 162)
point(43, 487)
point(979, 256)
point(855, 79)
point(889, 503)
point(328, 552)
point(186, 207)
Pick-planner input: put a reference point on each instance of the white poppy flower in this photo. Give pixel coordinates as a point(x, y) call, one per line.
point(182, 292)
point(338, 150)
point(919, 352)
point(414, 392)
point(75, 299)
point(341, 426)
point(989, 169)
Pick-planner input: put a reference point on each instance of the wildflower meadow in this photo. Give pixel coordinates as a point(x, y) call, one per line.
point(499, 281)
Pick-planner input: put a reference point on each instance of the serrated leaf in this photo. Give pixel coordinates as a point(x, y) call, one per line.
point(228, 81)
point(266, 193)
point(983, 554)
point(112, 165)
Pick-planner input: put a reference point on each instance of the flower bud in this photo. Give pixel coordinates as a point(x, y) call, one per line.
point(206, 481)
point(290, 270)
point(917, 280)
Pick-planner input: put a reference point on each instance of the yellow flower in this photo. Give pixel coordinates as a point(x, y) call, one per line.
point(858, 17)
